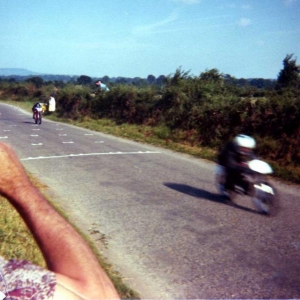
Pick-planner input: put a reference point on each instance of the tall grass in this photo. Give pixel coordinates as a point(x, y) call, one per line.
point(16, 240)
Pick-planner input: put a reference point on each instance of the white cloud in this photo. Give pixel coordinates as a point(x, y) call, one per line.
point(289, 3)
point(244, 22)
point(150, 28)
point(189, 2)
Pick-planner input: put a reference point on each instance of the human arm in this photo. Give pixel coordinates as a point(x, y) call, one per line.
point(66, 253)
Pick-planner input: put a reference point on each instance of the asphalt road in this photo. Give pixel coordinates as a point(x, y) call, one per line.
point(157, 215)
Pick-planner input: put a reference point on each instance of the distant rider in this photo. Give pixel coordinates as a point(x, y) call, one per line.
point(233, 160)
point(37, 106)
point(103, 87)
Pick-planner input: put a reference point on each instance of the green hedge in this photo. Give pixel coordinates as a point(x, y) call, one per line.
point(204, 110)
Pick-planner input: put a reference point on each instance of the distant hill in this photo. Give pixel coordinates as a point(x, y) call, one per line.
point(17, 72)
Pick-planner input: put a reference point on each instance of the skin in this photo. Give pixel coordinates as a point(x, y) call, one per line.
point(78, 273)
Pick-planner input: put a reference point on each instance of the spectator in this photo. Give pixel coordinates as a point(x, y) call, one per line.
point(73, 270)
point(102, 86)
point(51, 103)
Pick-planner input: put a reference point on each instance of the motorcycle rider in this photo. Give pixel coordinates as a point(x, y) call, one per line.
point(37, 106)
point(232, 160)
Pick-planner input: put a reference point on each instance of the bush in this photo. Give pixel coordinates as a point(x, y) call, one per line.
point(207, 110)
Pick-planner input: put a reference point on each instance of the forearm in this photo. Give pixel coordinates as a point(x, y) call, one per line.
point(65, 252)
point(47, 226)
point(58, 240)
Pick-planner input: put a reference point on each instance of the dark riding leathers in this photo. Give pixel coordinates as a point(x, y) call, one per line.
point(38, 107)
point(234, 163)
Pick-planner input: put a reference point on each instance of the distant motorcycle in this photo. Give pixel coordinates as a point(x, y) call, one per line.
point(253, 184)
point(37, 116)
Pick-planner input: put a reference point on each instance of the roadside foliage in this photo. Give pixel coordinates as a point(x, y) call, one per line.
point(205, 110)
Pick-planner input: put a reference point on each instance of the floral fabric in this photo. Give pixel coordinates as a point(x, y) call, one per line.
point(22, 280)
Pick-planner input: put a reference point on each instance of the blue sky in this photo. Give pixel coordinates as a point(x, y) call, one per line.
point(135, 38)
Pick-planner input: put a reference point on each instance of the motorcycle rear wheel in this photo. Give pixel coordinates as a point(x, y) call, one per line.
point(37, 119)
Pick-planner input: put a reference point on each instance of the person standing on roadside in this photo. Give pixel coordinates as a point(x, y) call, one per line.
point(51, 104)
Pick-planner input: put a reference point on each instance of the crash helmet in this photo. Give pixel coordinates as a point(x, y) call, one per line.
point(244, 144)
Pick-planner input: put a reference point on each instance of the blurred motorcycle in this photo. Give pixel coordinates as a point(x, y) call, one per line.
point(253, 184)
point(37, 116)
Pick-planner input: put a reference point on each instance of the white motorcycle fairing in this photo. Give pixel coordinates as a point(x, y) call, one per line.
point(260, 166)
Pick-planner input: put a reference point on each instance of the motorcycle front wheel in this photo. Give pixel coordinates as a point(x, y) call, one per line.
point(265, 199)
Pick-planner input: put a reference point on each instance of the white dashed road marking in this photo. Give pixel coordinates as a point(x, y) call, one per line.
point(91, 154)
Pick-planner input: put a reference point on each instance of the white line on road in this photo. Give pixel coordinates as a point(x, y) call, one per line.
point(3, 137)
point(90, 154)
point(34, 135)
point(68, 142)
point(39, 144)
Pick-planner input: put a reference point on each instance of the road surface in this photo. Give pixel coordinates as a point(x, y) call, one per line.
point(157, 215)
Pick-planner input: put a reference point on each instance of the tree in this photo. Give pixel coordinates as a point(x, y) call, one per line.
point(151, 79)
point(105, 79)
point(289, 76)
point(85, 80)
point(212, 75)
point(160, 80)
point(121, 80)
point(37, 81)
point(177, 77)
point(137, 81)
